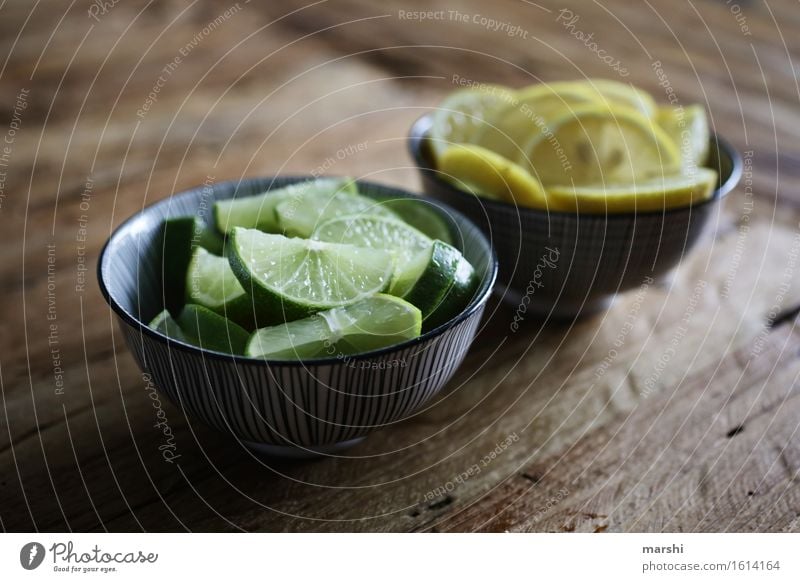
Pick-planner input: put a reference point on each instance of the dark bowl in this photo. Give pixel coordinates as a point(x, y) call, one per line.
point(565, 264)
point(283, 406)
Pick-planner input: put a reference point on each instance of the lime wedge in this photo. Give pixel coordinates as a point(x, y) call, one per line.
point(179, 237)
point(422, 215)
point(370, 324)
point(259, 211)
point(461, 115)
point(210, 282)
point(295, 340)
point(202, 327)
point(375, 232)
point(207, 238)
point(426, 280)
point(595, 144)
point(164, 323)
point(458, 296)
point(299, 215)
point(488, 174)
point(656, 194)
point(297, 277)
point(688, 128)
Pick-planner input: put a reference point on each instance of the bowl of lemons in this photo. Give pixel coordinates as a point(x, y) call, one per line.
point(585, 188)
point(298, 314)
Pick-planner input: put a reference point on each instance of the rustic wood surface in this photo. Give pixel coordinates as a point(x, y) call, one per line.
point(677, 410)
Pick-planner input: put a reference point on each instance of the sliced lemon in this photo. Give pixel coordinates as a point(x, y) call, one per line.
point(596, 144)
point(688, 128)
point(510, 127)
point(460, 115)
point(657, 194)
point(488, 174)
point(616, 93)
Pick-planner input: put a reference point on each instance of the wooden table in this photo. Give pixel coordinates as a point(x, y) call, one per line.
point(677, 410)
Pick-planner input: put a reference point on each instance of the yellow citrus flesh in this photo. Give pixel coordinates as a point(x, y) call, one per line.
point(622, 94)
point(486, 173)
point(688, 128)
point(596, 144)
point(461, 114)
point(657, 194)
point(510, 127)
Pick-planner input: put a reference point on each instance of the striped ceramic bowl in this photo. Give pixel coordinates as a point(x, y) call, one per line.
point(309, 406)
point(564, 264)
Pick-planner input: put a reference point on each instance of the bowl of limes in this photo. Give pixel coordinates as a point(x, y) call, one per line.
point(585, 188)
point(298, 313)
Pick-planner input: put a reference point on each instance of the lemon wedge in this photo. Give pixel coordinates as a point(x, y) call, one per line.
point(658, 194)
point(485, 173)
point(459, 117)
point(596, 144)
point(688, 128)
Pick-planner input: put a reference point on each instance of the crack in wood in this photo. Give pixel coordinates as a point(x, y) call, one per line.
point(738, 429)
point(441, 503)
point(787, 315)
point(534, 478)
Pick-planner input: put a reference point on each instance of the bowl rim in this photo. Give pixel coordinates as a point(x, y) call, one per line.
point(477, 301)
point(419, 131)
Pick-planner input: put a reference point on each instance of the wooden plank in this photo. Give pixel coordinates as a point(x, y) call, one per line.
point(595, 440)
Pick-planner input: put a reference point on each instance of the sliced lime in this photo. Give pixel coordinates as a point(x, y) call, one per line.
point(295, 340)
point(458, 296)
point(210, 282)
point(425, 281)
point(258, 211)
point(370, 324)
point(296, 277)
point(375, 232)
point(422, 215)
point(211, 331)
point(180, 236)
point(164, 323)
point(300, 215)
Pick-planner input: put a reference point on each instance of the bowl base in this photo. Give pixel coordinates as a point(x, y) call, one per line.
point(545, 307)
point(299, 452)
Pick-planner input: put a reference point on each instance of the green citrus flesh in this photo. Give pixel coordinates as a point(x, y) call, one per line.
point(370, 324)
point(422, 215)
point(300, 215)
point(297, 277)
point(164, 323)
point(376, 232)
point(258, 211)
point(210, 282)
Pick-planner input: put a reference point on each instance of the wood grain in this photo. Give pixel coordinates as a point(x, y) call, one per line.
point(677, 410)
